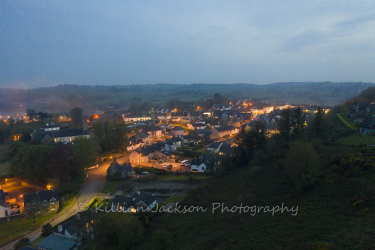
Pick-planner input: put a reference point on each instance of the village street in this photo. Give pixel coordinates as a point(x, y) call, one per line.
point(90, 190)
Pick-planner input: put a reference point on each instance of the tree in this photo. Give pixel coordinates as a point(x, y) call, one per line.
point(302, 164)
point(59, 163)
point(120, 230)
point(284, 124)
point(21, 243)
point(47, 229)
point(43, 116)
point(84, 153)
point(319, 124)
point(31, 113)
point(111, 135)
point(249, 142)
point(29, 162)
point(76, 114)
point(298, 123)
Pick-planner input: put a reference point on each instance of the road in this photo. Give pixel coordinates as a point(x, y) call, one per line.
point(90, 190)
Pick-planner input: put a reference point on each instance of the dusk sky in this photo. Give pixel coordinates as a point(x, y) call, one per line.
point(47, 43)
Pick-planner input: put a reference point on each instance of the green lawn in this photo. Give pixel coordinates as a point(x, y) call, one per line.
point(5, 169)
point(356, 139)
point(347, 121)
point(17, 226)
point(174, 199)
point(202, 150)
point(180, 177)
point(110, 186)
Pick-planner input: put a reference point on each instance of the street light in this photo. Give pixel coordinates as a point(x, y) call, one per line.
point(6, 181)
point(140, 155)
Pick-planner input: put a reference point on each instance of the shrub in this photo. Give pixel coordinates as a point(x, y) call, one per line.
point(21, 243)
point(47, 229)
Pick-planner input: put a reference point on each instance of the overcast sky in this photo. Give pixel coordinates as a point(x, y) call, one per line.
point(45, 43)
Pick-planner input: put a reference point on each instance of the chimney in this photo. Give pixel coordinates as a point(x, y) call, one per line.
point(60, 228)
point(114, 160)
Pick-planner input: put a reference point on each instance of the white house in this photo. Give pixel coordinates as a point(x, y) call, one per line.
point(203, 164)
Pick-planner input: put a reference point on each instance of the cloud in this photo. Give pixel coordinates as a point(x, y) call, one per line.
point(305, 39)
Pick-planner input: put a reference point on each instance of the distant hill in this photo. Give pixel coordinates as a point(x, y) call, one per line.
point(367, 96)
point(62, 98)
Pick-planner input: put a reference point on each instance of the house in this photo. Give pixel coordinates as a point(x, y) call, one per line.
point(119, 170)
point(205, 163)
point(234, 122)
point(71, 229)
point(41, 202)
point(68, 230)
point(271, 129)
point(143, 136)
point(64, 136)
point(215, 147)
point(262, 118)
point(4, 209)
point(134, 144)
point(195, 126)
point(174, 143)
point(129, 118)
point(188, 139)
point(70, 135)
point(226, 150)
point(146, 153)
point(51, 127)
point(8, 206)
point(141, 201)
point(195, 115)
point(214, 124)
point(221, 107)
point(225, 131)
point(164, 127)
point(249, 126)
point(203, 132)
point(177, 131)
point(54, 242)
point(154, 132)
point(180, 116)
point(137, 156)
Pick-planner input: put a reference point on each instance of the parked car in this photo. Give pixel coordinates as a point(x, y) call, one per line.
point(183, 162)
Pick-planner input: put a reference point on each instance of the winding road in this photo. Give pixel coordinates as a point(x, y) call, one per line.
point(90, 190)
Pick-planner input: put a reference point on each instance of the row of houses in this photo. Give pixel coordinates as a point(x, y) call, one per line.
point(38, 203)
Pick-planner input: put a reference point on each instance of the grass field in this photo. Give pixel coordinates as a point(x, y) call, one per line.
point(174, 199)
point(349, 123)
point(5, 169)
point(356, 139)
point(18, 226)
point(110, 186)
point(181, 177)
